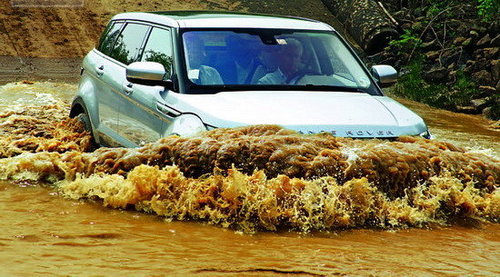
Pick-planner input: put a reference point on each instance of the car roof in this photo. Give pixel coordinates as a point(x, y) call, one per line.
point(210, 19)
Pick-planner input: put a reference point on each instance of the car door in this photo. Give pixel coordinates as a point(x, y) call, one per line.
point(139, 120)
point(126, 50)
point(100, 67)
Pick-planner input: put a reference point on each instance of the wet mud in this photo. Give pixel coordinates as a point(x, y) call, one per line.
point(256, 177)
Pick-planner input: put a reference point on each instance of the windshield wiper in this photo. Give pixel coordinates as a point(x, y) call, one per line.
point(333, 88)
point(277, 87)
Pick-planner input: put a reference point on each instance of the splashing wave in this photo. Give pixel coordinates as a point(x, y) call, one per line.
point(256, 177)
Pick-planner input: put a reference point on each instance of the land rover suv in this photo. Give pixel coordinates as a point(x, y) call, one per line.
point(162, 73)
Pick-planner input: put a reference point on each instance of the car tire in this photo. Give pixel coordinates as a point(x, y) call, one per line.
point(84, 118)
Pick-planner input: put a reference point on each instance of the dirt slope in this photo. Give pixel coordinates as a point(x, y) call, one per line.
point(72, 32)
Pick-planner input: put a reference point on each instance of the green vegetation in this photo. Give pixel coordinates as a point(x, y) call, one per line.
point(464, 89)
point(406, 42)
point(413, 86)
point(488, 9)
point(438, 52)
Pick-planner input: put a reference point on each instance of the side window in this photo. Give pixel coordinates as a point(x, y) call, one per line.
point(109, 37)
point(159, 49)
point(128, 44)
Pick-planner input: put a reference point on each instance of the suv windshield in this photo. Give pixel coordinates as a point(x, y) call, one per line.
point(264, 58)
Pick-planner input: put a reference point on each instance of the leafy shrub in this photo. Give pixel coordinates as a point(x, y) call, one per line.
point(406, 42)
point(412, 86)
point(488, 9)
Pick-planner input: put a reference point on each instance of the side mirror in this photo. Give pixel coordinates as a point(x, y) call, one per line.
point(385, 74)
point(148, 73)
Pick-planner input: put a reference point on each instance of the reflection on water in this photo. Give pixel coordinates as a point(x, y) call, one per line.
point(348, 183)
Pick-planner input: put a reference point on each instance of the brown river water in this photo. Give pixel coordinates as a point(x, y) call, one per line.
point(317, 205)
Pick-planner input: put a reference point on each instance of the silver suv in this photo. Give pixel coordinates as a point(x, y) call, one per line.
point(162, 73)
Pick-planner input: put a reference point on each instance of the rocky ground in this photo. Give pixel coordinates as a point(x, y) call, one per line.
point(454, 50)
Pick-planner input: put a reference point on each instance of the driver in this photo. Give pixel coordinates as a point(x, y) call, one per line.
point(289, 63)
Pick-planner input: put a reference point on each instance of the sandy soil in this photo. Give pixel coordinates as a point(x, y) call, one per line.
point(65, 32)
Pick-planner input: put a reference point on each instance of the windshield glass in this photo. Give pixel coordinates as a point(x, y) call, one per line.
point(266, 58)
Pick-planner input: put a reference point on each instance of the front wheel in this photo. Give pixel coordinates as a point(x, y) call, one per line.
point(84, 118)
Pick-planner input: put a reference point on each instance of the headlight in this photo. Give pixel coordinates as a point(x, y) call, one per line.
point(186, 125)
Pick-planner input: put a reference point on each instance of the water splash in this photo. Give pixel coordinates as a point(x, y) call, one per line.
point(256, 177)
point(253, 202)
point(32, 119)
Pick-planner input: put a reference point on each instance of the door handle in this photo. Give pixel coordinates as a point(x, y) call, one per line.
point(128, 88)
point(99, 70)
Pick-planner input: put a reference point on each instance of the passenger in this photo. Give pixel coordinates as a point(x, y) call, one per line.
point(241, 61)
point(289, 63)
point(198, 72)
point(268, 63)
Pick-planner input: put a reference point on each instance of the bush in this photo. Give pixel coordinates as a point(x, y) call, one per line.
point(488, 9)
point(407, 42)
point(411, 85)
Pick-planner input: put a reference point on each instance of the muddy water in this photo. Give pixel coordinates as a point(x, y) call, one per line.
point(56, 200)
point(471, 131)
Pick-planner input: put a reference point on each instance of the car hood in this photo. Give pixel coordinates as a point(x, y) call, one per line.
point(340, 113)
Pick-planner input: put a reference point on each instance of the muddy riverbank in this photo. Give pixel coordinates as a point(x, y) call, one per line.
point(14, 69)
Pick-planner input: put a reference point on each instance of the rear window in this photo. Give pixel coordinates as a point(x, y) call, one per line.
point(128, 44)
point(109, 36)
